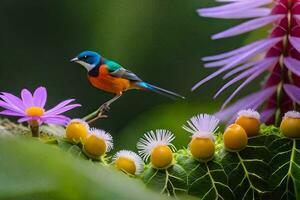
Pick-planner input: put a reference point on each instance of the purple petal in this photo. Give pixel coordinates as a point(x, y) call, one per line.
point(292, 64)
point(11, 113)
point(239, 5)
point(295, 41)
point(247, 26)
point(12, 99)
point(238, 14)
point(293, 92)
point(246, 82)
point(234, 52)
point(62, 109)
point(24, 119)
point(59, 106)
point(262, 66)
point(57, 121)
point(255, 99)
point(242, 58)
point(7, 104)
point(222, 62)
point(40, 97)
point(240, 68)
point(27, 98)
point(228, 0)
point(60, 119)
point(232, 119)
point(267, 114)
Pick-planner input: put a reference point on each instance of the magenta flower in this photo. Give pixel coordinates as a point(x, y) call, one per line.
point(279, 55)
point(30, 107)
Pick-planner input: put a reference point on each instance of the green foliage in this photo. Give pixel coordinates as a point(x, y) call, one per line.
point(268, 168)
point(248, 171)
point(32, 170)
point(67, 146)
point(171, 181)
point(205, 180)
point(285, 168)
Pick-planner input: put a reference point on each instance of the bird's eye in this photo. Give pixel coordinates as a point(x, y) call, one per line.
point(85, 57)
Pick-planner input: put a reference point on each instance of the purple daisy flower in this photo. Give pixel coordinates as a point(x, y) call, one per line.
point(279, 54)
point(30, 107)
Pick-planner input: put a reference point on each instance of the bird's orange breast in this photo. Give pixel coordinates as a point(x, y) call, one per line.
point(104, 81)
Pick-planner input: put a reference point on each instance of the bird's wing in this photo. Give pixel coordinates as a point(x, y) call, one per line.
point(124, 73)
point(118, 71)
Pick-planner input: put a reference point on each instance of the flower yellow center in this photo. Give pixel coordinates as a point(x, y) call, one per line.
point(235, 137)
point(126, 165)
point(161, 156)
point(76, 131)
point(290, 127)
point(95, 146)
point(251, 125)
point(202, 148)
point(35, 111)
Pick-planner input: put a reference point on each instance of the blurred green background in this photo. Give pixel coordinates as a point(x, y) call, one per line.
point(161, 41)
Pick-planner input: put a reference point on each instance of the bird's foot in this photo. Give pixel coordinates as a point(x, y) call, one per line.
point(104, 108)
point(99, 116)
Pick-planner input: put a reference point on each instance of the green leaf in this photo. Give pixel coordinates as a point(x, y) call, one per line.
point(71, 148)
point(172, 181)
point(248, 170)
point(205, 180)
point(285, 167)
point(32, 170)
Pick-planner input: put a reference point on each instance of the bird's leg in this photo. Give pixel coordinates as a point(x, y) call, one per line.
point(105, 106)
point(99, 113)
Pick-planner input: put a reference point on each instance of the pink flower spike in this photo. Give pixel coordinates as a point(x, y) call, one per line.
point(278, 54)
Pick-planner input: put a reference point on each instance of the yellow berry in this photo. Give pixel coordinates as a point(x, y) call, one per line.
point(76, 131)
point(95, 146)
point(250, 125)
point(161, 157)
point(235, 137)
point(126, 165)
point(290, 127)
point(202, 148)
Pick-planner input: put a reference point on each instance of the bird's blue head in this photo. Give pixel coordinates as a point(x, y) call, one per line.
point(88, 59)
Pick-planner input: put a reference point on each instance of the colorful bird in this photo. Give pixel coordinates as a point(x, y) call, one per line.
point(111, 77)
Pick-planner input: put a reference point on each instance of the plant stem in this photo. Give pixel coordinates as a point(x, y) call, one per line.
point(278, 102)
point(92, 115)
point(35, 131)
point(35, 128)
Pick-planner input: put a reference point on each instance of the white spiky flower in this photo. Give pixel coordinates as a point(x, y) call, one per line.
point(103, 135)
point(249, 113)
point(131, 156)
point(202, 125)
point(151, 140)
point(292, 114)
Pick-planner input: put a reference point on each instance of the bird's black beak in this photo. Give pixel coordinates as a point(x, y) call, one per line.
point(74, 59)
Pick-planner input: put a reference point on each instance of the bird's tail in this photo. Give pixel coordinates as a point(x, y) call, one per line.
point(167, 93)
